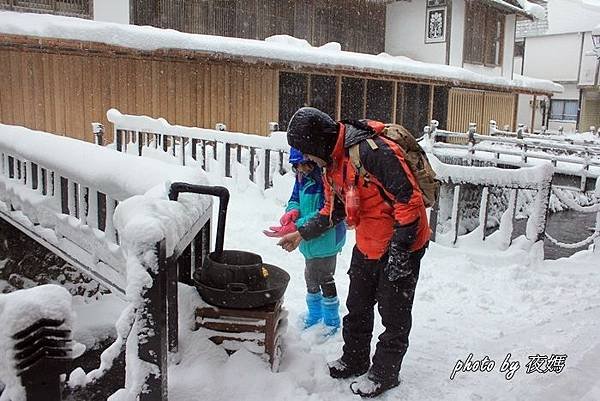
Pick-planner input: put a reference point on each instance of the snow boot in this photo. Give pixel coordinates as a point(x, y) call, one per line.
point(331, 315)
point(315, 312)
point(339, 369)
point(371, 385)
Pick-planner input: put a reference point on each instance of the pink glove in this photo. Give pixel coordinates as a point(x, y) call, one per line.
point(289, 217)
point(280, 231)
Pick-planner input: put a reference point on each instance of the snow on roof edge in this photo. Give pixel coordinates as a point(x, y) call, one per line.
point(280, 48)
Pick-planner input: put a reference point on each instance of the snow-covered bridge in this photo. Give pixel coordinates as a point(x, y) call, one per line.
point(576, 161)
point(109, 214)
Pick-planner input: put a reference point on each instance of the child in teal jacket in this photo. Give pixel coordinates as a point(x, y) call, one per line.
point(320, 253)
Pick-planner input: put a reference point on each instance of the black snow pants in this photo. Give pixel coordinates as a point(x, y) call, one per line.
point(369, 285)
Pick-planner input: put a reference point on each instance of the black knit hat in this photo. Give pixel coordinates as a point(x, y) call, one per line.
point(313, 132)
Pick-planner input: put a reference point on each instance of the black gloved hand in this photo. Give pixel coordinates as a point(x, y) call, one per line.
point(399, 255)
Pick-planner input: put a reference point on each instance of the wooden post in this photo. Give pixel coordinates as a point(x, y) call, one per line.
point(98, 131)
point(455, 219)
point(119, 139)
point(394, 100)
point(227, 160)
point(152, 341)
point(338, 98)
point(433, 219)
point(172, 306)
point(534, 106)
point(267, 168)
point(483, 211)
point(182, 150)
point(252, 157)
point(194, 150)
point(140, 143)
point(431, 98)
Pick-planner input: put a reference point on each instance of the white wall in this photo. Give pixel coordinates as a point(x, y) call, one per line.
point(518, 65)
point(405, 33)
point(554, 57)
point(112, 11)
point(457, 37)
point(588, 73)
point(509, 46)
point(572, 16)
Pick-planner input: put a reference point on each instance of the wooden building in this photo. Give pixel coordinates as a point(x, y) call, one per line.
point(66, 74)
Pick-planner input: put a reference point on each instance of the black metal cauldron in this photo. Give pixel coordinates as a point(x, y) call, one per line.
point(231, 278)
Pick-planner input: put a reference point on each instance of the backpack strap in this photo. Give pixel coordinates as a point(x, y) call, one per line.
point(354, 153)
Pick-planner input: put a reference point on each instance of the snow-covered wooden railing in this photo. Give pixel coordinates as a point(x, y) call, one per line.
point(109, 214)
point(467, 191)
point(261, 156)
point(576, 160)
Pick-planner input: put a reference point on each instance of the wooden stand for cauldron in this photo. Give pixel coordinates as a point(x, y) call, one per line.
point(258, 330)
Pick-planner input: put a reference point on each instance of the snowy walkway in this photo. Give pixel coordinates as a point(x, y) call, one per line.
point(482, 302)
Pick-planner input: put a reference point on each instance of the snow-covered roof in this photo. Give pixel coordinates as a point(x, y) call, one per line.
point(276, 49)
point(522, 7)
point(596, 30)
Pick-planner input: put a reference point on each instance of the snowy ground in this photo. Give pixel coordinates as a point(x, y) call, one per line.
point(475, 300)
point(482, 302)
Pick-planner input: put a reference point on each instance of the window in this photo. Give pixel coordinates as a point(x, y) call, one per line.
point(322, 93)
point(71, 8)
point(564, 110)
point(353, 98)
point(379, 100)
point(293, 94)
point(520, 48)
point(484, 35)
point(413, 107)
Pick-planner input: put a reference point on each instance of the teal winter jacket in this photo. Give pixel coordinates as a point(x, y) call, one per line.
point(308, 197)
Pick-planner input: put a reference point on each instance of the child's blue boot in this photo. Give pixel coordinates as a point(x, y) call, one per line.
point(331, 315)
point(315, 313)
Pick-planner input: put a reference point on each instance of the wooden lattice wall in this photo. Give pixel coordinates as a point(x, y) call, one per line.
point(64, 93)
point(466, 106)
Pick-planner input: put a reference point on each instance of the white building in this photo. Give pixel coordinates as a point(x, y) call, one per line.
point(560, 49)
point(478, 35)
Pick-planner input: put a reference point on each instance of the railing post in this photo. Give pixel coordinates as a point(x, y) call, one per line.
point(227, 160)
point(281, 170)
point(267, 168)
point(493, 127)
point(238, 152)
point(153, 333)
point(520, 130)
point(252, 162)
point(471, 133)
point(273, 126)
point(597, 228)
point(119, 139)
point(434, 127)
point(140, 143)
point(182, 150)
point(98, 131)
point(522, 145)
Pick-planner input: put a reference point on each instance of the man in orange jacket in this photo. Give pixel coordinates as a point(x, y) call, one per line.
point(386, 206)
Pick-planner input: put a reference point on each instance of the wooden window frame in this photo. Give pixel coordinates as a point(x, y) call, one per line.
point(491, 20)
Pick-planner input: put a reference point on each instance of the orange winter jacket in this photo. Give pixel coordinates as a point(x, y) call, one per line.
point(391, 204)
